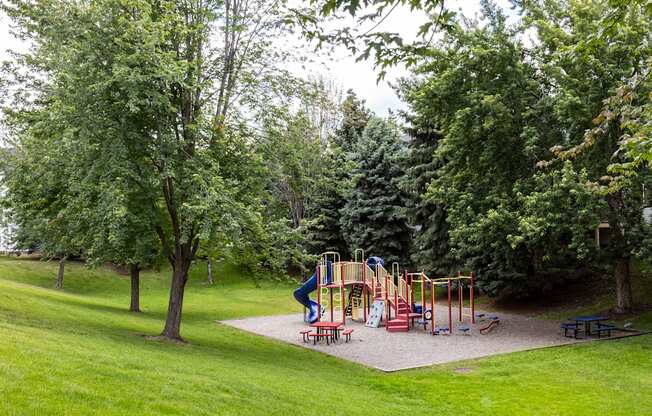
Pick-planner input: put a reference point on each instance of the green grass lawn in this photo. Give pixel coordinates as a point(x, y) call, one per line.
point(79, 352)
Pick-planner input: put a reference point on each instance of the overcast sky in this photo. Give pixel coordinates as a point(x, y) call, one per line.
point(359, 76)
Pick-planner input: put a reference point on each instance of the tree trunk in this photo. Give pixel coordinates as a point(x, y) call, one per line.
point(172, 328)
point(62, 266)
point(210, 271)
point(134, 271)
point(623, 286)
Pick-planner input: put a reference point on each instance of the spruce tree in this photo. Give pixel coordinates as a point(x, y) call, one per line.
point(323, 228)
point(354, 120)
point(429, 250)
point(374, 216)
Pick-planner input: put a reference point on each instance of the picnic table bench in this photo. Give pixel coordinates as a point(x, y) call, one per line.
point(585, 321)
point(570, 326)
point(315, 336)
point(304, 333)
point(600, 328)
point(347, 334)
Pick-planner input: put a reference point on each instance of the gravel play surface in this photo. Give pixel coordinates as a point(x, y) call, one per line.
point(416, 348)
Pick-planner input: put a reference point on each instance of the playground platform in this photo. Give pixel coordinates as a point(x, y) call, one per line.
point(380, 349)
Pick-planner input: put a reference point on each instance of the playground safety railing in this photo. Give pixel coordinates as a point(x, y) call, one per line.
point(322, 272)
point(346, 272)
point(394, 290)
point(354, 272)
point(403, 289)
point(382, 276)
point(391, 289)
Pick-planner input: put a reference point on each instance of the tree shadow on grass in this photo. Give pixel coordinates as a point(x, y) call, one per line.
point(203, 342)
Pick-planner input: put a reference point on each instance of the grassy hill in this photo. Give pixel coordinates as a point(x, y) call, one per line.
point(78, 352)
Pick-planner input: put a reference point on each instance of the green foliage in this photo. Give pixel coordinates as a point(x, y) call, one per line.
point(269, 248)
point(323, 228)
point(483, 98)
point(600, 119)
point(374, 217)
point(500, 108)
point(36, 186)
point(292, 151)
point(355, 117)
point(556, 215)
point(559, 212)
point(123, 89)
point(616, 41)
point(428, 220)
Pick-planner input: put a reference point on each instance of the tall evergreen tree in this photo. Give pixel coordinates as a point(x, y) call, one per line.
point(324, 229)
point(428, 219)
point(354, 120)
point(374, 217)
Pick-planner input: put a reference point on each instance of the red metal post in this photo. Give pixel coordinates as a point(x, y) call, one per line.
point(433, 293)
point(423, 298)
point(396, 300)
point(389, 315)
point(364, 293)
point(450, 313)
point(471, 298)
point(343, 293)
point(318, 292)
point(330, 291)
point(343, 303)
point(407, 298)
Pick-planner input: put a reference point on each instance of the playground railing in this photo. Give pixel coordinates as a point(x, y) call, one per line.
point(346, 272)
point(391, 289)
point(322, 272)
point(403, 289)
point(354, 272)
point(395, 291)
point(382, 276)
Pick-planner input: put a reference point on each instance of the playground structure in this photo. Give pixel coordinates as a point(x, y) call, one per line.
point(348, 289)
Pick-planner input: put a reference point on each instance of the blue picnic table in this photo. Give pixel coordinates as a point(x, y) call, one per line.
point(587, 320)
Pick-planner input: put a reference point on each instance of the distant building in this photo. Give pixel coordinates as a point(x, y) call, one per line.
point(6, 238)
point(7, 231)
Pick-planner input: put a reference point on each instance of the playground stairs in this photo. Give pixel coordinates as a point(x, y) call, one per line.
point(397, 325)
point(402, 313)
point(378, 294)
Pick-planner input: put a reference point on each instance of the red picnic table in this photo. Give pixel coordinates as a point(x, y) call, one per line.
point(332, 327)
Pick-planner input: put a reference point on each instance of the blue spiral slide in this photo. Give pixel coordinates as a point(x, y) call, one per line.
point(302, 294)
